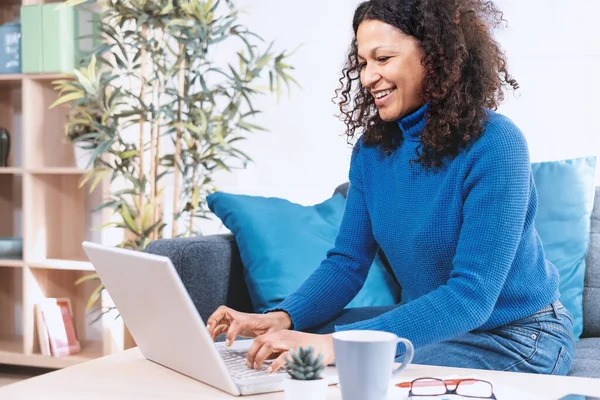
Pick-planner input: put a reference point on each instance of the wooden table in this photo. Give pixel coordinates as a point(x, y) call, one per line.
point(128, 375)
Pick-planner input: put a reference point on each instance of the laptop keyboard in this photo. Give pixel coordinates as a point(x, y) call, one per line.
point(235, 361)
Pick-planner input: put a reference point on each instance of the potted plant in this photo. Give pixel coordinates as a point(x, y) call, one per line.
point(162, 109)
point(82, 134)
point(305, 380)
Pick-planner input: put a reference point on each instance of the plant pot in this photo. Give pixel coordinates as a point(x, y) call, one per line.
point(304, 390)
point(82, 157)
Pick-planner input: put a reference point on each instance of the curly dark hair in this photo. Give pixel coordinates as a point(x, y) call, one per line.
point(466, 73)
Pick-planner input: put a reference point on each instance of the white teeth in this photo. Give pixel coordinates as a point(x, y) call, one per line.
point(384, 93)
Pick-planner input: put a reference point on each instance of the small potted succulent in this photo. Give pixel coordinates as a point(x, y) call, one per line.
point(305, 381)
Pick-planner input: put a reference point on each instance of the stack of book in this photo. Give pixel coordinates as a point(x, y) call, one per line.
point(55, 327)
point(55, 37)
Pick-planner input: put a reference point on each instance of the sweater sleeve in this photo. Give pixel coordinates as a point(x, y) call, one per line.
point(344, 270)
point(496, 194)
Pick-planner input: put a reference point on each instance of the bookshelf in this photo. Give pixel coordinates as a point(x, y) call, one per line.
point(41, 202)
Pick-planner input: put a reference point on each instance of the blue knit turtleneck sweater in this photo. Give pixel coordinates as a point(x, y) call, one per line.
point(461, 241)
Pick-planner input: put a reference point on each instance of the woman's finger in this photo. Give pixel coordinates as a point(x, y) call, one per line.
point(254, 349)
point(266, 351)
point(279, 362)
point(215, 319)
point(232, 332)
point(220, 329)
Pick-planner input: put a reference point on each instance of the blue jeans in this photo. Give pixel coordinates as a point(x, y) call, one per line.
point(541, 343)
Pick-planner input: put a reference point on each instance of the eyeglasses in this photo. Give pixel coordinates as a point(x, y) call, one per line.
point(473, 388)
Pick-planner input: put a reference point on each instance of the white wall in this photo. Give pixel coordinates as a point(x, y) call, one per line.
point(553, 50)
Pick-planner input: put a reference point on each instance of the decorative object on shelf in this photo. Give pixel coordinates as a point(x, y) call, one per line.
point(10, 48)
point(153, 103)
point(305, 381)
point(4, 147)
point(55, 327)
point(11, 248)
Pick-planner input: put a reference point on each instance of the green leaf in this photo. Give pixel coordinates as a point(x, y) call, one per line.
point(90, 277)
point(167, 9)
point(192, 128)
point(99, 178)
point(96, 172)
point(128, 154)
point(250, 127)
point(94, 297)
point(156, 226)
point(221, 164)
point(67, 98)
point(126, 215)
point(109, 224)
point(101, 149)
point(108, 204)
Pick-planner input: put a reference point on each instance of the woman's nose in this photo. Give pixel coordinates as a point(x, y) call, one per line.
point(370, 75)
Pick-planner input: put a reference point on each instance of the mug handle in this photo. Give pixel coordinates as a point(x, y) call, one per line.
point(407, 357)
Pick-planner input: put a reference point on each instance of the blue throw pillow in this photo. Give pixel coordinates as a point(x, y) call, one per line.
point(565, 201)
point(281, 243)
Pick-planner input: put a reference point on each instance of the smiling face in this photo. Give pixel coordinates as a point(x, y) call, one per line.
point(390, 69)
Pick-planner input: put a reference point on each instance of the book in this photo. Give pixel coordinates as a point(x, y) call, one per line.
point(54, 37)
point(31, 39)
point(42, 331)
point(58, 40)
point(10, 48)
point(57, 320)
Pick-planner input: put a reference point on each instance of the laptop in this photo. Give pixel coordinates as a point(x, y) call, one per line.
point(167, 327)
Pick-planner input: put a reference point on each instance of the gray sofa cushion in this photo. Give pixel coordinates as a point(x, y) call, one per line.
point(210, 269)
point(591, 293)
point(587, 358)
point(343, 189)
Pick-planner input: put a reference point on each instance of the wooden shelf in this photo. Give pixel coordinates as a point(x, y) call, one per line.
point(10, 346)
point(47, 76)
point(11, 171)
point(10, 80)
point(62, 265)
point(57, 171)
point(90, 351)
point(16, 79)
point(42, 202)
point(43, 171)
point(7, 262)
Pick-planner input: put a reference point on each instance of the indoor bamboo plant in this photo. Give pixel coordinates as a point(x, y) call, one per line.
point(154, 100)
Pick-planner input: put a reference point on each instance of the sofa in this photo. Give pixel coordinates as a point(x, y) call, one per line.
point(212, 272)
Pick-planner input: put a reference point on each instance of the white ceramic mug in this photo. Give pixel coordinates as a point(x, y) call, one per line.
point(365, 362)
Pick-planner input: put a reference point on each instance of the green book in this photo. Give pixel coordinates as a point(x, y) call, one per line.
point(58, 37)
point(63, 28)
point(31, 39)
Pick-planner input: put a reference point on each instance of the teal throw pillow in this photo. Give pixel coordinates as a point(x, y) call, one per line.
point(565, 201)
point(281, 243)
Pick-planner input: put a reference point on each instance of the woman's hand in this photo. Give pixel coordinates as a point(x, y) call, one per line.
point(234, 323)
point(276, 345)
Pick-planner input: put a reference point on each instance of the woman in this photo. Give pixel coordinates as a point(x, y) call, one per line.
point(443, 185)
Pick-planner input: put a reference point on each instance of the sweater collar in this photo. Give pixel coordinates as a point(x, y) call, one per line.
point(413, 124)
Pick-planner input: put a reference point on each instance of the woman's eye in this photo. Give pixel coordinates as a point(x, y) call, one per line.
point(383, 59)
point(362, 65)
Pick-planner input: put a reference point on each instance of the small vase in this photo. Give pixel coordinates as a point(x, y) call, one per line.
point(4, 147)
point(303, 390)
